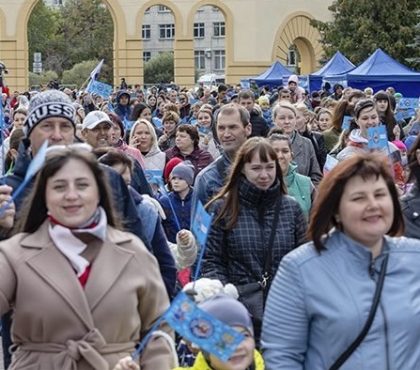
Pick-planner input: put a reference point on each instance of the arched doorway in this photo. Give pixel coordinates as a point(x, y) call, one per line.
point(297, 33)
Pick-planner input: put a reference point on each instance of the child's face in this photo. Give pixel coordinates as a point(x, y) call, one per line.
point(242, 358)
point(265, 106)
point(178, 184)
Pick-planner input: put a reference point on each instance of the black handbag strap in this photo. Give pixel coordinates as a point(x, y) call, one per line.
point(349, 351)
point(269, 253)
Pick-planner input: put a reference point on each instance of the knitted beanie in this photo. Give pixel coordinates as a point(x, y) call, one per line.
point(169, 167)
point(228, 310)
point(184, 172)
point(49, 103)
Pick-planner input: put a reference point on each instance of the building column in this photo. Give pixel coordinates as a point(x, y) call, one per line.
point(184, 66)
point(16, 62)
point(128, 62)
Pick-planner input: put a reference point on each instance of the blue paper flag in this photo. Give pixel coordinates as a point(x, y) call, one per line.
point(35, 165)
point(37, 162)
point(157, 122)
point(153, 176)
point(201, 224)
point(346, 122)
point(205, 331)
point(377, 137)
point(128, 125)
point(330, 163)
point(408, 103)
point(402, 115)
point(110, 107)
point(99, 88)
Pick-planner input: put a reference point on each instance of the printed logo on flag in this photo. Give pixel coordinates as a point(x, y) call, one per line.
point(407, 103)
point(346, 122)
point(99, 88)
point(377, 137)
point(205, 331)
point(153, 176)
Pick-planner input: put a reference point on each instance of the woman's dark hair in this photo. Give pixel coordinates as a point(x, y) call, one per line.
point(413, 163)
point(387, 117)
point(191, 131)
point(230, 206)
point(343, 108)
point(137, 111)
point(15, 139)
point(331, 188)
point(35, 212)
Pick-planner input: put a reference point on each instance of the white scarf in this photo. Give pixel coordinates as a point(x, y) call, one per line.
point(71, 246)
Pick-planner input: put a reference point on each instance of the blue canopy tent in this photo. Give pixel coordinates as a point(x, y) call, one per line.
point(337, 65)
point(273, 76)
point(380, 71)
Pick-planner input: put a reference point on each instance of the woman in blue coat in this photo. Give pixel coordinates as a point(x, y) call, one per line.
point(323, 292)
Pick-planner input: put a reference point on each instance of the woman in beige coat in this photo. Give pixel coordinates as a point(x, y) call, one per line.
point(83, 292)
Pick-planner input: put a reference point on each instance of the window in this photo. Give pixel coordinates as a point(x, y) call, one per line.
point(199, 30)
point(166, 31)
point(147, 11)
point(219, 59)
point(163, 9)
point(146, 32)
point(200, 59)
point(147, 55)
point(291, 58)
point(219, 29)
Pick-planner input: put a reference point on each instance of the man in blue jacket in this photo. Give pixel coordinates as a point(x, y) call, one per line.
point(51, 116)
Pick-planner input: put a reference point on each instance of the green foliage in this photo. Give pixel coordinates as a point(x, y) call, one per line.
point(41, 79)
point(80, 73)
point(80, 30)
point(159, 69)
point(359, 27)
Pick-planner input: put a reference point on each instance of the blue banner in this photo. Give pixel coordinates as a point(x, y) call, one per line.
point(377, 137)
point(153, 176)
point(99, 88)
point(110, 107)
point(205, 331)
point(157, 122)
point(201, 224)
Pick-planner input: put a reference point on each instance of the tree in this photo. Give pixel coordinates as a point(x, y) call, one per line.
point(88, 31)
point(79, 73)
point(80, 30)
point(42, 79)
point(44, 36)
point(159, 69)
point(359, 27)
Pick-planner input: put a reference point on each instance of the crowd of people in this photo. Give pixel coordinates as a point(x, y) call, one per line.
point(312, 265)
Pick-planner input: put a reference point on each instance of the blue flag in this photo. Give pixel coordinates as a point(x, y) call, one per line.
point(408, 113)
point(35, 165)
point(377, 137)
point(157, 122)
point(153, 176)
point(128, 125)
point(205, 331)
point(201, 224)
point(99, 88)
point(346, 122)
point(408, 103)
point(110, 107)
